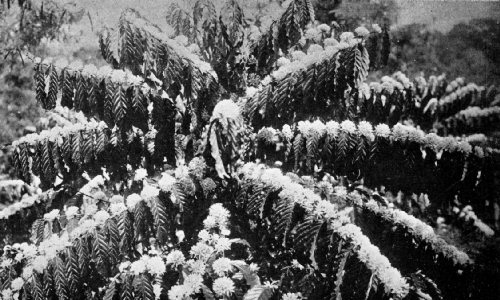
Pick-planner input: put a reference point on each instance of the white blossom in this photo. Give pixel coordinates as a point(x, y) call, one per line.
point(27, 272)
point(39, 264)
point(348, 126)
point(90, 209)
point(362, 31)
point(157, 291)
point(138, 267)
point(132, 201)
point(7, 294)
point(346, 36)
point(180, 235)
point(287, 132)
point(282, 61)
point(101, 216)
point(204, 235)
point(166, 182)
point(222, 266)
point(89, 70)
point(324, 28)
point(226, 109)
point(177, 292)
point(313, 34)
point(71, 212)
point(52, 215)
point(117, 208)
point(193, 283)
point(220, 214)
point(314, 48)
point(222, 244)
point(176, 258)
point(209, 222)
point(17, 284)
point(376, 28)
point(149, 192)
point(140, 174)
point(201, 251)
point(292, 296)
point(156, 266)
point(297, 55)
point(223, 286)
point(196, 266)
point(382, 130)
point(182, 40)
point(366, 130)
point(61, 63)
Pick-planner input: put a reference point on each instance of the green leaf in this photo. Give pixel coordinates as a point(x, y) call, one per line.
point(207, 293)
point(41, 95)
point(259, 292)
point(126, 233)
point(61, 281)
point(146, 288)
point(161, 220)
point(111, 291)
point(251, 278)
point(53, 88)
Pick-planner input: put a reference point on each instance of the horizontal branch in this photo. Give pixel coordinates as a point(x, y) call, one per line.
point(114, 96)
point(67, 151)
point(472, 120)
point(401, 158)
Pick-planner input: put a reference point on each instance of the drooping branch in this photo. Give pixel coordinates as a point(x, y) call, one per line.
point(412, 245)
point(290, 215)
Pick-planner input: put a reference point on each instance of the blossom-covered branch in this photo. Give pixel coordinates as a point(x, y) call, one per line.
point(259, 183)
point(283, 33)
point(146, 50)
point(59, 152)
point(415, 246)
point(315, 84)
point(473, 119)
point(114, 96)
point(401, 158)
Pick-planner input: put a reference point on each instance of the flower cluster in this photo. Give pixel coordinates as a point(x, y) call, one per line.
point(226, 109)
point(455, 84)
point(290, 190)
point(153, 265)
point(376, 262)
point(478, 112)
point(206, 256)
point(399, 132)
point(25, 202)
point(460, 93)
point(421, 231)
point(469, 215)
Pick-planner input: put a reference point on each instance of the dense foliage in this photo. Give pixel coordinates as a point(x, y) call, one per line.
point(238, 160)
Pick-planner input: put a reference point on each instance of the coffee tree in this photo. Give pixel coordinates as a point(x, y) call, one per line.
point(228, 161)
